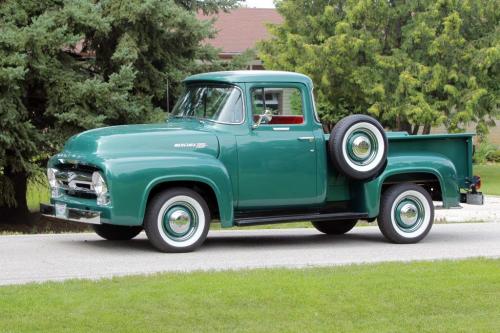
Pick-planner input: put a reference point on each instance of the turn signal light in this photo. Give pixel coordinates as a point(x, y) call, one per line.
point(475, 183)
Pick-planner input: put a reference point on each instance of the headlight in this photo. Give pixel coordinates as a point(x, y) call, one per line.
point(98, 183)
point(55, 190)
point(100, 188)
point(51, 175)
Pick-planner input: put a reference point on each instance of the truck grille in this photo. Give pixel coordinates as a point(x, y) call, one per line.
point(76, 180)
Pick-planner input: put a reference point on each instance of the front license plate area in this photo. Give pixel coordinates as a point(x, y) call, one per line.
point(61, 211)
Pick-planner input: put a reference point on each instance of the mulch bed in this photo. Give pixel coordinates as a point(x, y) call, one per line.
point(43, 225)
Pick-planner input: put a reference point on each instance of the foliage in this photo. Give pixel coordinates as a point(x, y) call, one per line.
point(490, 178)
point(443, 296)
point(486, 152)
point(495, 156)
point(72, 65)
point(412, 64)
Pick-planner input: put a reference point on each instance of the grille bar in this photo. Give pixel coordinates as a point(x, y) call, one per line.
point(76, 182)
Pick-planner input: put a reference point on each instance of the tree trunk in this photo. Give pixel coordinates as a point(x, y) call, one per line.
point(19, 214)
point(427, 129)
point(403, 125)
point(415, 130)
point(327, 127)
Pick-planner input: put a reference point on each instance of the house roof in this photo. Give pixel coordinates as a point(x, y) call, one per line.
point(241, 28)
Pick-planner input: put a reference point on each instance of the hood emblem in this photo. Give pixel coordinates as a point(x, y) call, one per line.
point(198, 145)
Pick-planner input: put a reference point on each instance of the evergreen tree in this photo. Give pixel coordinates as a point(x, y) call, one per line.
point(412, 64)
point(71, 65)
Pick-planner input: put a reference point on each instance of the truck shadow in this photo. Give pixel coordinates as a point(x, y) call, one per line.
point(242, 241)
point(262, 241)
point(138, 244)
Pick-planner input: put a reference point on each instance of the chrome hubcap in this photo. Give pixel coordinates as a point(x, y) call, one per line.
point(361, 146)
point(408, 214)
point(179, 221)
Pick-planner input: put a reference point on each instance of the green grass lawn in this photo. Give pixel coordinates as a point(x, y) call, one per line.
point(38, 192)
point(447, 296)
point(490, 178)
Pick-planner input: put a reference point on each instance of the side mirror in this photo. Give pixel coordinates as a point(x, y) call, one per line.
point(266, 118)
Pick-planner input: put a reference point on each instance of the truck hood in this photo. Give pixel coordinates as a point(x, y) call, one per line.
point(141, 140)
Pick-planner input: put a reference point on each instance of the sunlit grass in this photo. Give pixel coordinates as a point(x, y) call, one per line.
point(490, 178)
point(38, 192)
point(446, 296)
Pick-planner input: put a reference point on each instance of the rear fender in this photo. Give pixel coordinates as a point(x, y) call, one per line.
point(367, 195)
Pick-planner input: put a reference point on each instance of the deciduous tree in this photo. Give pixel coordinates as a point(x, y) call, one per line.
point(412, 64)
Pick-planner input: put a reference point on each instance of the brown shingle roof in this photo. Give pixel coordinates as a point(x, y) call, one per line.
point(241, 28)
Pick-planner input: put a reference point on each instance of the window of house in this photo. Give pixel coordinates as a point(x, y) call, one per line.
point(285, 105)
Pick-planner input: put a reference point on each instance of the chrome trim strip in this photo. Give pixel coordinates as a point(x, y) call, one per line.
point(74, 214)
point(281, 128)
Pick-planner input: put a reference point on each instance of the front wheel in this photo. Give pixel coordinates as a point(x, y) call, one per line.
point(406, 213)
point(116, 232)
point(177, 220)
point(334, 227)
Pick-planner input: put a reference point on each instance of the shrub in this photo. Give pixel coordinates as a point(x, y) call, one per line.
point(486, 152)
point(494, 156)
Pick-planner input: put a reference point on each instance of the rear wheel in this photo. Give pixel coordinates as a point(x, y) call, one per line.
point(334, 227)
point(406, 213)
point(116, 232)
point(177, 220)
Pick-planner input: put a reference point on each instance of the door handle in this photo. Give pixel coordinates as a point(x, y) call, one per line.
point(306, 138)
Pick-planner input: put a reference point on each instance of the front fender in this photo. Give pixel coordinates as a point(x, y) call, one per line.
point(368, 194)
point(132, 179)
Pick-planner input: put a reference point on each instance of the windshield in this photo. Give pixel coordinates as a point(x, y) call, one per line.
point(215, 103)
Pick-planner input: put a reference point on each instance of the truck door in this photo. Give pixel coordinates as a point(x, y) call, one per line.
point(277, 159)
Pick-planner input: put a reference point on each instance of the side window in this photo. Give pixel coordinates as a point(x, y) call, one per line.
point(217, 103)
point(285, 105)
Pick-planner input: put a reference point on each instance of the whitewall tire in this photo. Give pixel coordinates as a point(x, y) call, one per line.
point(177, 220)
point(358, 147)
point(406, 213)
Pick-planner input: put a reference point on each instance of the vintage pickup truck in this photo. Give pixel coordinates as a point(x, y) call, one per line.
point(247, 148)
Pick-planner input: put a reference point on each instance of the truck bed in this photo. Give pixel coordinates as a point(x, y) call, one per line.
point(456, 148)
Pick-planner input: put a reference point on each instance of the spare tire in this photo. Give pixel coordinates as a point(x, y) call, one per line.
point(358, 147)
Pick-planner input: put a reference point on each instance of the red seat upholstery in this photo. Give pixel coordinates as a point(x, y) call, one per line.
point(286, 120)
point(283, 120)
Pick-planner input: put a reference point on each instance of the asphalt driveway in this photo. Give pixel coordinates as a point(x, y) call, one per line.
point(36, 258)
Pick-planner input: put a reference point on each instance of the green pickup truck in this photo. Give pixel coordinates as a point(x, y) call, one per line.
point(247, 148)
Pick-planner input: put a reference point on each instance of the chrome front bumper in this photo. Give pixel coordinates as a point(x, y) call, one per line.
point(62, 212)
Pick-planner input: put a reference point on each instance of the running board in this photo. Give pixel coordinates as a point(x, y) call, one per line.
point(248, 221)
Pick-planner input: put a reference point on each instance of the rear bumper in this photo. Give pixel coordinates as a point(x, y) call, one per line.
point(472, 198)
point(62, 212)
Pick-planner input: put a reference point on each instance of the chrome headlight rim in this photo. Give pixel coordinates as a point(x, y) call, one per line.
point(99, 184)
point(100, 188)
point(52, 178)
